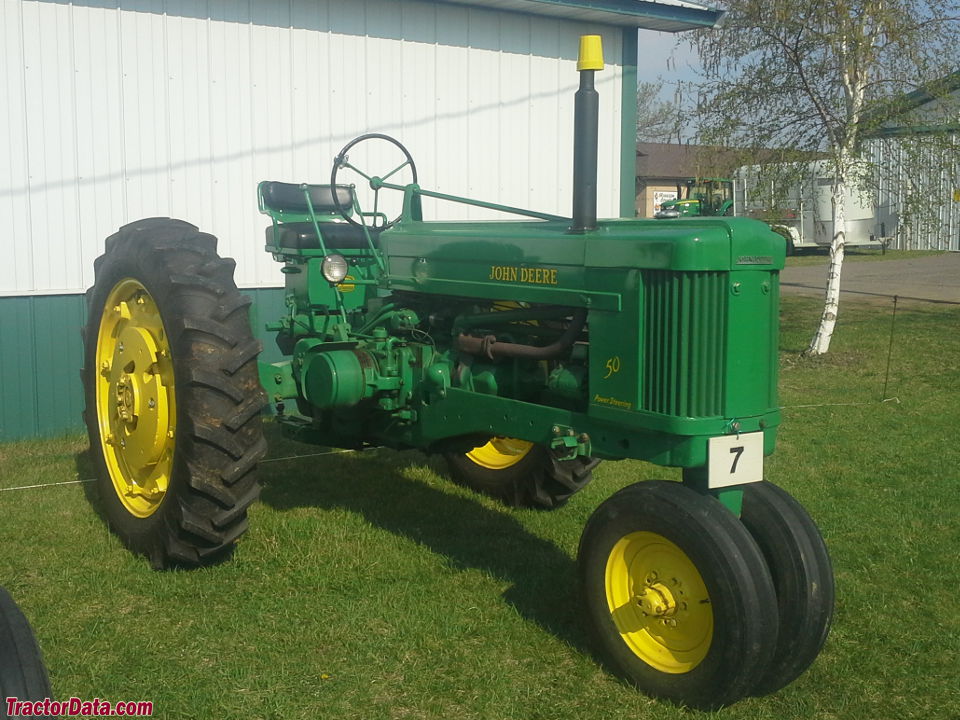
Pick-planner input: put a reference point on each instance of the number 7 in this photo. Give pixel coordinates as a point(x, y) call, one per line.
point(738, 451)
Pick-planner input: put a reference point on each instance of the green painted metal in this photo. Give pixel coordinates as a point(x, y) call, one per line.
point(651, 15)
point(40, 358)
point(909, 130)
point(41, 352)
point(682, 328)
point(732, 499)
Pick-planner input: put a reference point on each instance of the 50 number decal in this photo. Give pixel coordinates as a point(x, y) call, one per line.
point(613, 366)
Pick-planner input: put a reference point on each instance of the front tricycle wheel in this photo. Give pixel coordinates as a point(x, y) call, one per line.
point(678, 597)
point(802, 576)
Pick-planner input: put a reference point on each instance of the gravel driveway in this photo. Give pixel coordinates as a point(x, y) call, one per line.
point(933, 278)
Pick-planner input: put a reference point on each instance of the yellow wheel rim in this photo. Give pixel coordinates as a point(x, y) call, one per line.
point(658, 602)
point(500, 453)
point(136, 406)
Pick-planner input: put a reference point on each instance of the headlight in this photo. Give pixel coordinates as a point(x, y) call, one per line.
point(334, 268)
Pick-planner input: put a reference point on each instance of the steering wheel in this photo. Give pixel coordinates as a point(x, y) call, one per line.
point(342, 162)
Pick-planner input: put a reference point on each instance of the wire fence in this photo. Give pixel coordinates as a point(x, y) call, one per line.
point(882, 399)
point(90, 480)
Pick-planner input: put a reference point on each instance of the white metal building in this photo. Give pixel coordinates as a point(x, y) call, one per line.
point(917, 147)
point(114, 110)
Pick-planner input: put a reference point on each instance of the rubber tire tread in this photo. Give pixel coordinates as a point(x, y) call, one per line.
point(733, 570)
point(538, 480)
point(22, 672)
point(802, 575)
point(219, 431)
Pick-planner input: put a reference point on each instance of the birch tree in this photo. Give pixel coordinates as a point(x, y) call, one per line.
point(657, 120)
point(814, 77)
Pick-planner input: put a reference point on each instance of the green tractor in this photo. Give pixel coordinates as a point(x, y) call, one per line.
point(525, 352)
point(699, 197)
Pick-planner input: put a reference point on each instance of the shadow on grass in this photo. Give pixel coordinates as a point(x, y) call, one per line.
point(466, 533)
point(86, 469)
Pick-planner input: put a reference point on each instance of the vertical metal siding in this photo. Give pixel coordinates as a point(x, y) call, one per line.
point(40, 359)
point(112, 110)
point(934, 174)
point(41, 353)
point(137, 108)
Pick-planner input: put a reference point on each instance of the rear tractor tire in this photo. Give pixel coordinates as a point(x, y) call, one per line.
point(677, 594)
point(172, 393)
point(520, 473)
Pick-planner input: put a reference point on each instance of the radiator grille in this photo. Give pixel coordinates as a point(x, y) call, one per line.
point(685, 326)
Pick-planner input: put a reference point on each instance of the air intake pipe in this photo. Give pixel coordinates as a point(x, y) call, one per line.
point(586, 114)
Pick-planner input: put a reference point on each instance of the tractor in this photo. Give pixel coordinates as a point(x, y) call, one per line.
point(525, 351)
point(699, 197)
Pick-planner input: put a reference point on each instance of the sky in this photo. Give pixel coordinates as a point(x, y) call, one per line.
point(661, 58)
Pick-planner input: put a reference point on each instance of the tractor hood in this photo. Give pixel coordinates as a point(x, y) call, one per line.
point(539, 261)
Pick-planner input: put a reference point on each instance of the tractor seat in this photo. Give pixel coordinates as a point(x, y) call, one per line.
point(286, 200)
point(302, 236)
point(289, 198)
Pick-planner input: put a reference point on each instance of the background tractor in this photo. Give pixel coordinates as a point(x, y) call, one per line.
point(699, 197)
point(524, 351)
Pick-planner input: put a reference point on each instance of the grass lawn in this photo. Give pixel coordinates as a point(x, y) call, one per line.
point(821, 256)
point(371, 587)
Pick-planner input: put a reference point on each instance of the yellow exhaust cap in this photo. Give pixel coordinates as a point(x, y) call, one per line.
point(591, 53)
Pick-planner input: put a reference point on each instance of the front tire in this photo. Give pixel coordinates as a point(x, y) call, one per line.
point(172, 393)
point(520, 473)
point(678, 597)
point(802, 575)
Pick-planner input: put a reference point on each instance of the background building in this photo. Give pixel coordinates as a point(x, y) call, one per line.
point(918, 145)
point(114, 110)
point(661, 167)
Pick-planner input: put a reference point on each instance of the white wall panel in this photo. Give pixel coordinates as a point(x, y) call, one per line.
point(112, 110)
point(16, 271)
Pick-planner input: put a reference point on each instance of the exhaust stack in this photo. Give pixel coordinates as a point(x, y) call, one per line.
point(585, 131)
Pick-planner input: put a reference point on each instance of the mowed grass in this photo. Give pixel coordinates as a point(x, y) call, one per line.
point(371, 587)
point(821, 256)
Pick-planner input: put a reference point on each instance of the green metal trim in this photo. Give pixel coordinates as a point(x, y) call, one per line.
point(41, 352)
point(908, 130)
point(628, 124)
point(895, 107)
point(732, 499)
point(688, 17)
point(461, 411)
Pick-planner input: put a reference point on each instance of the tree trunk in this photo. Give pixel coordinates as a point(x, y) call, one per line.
point(820, 343)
